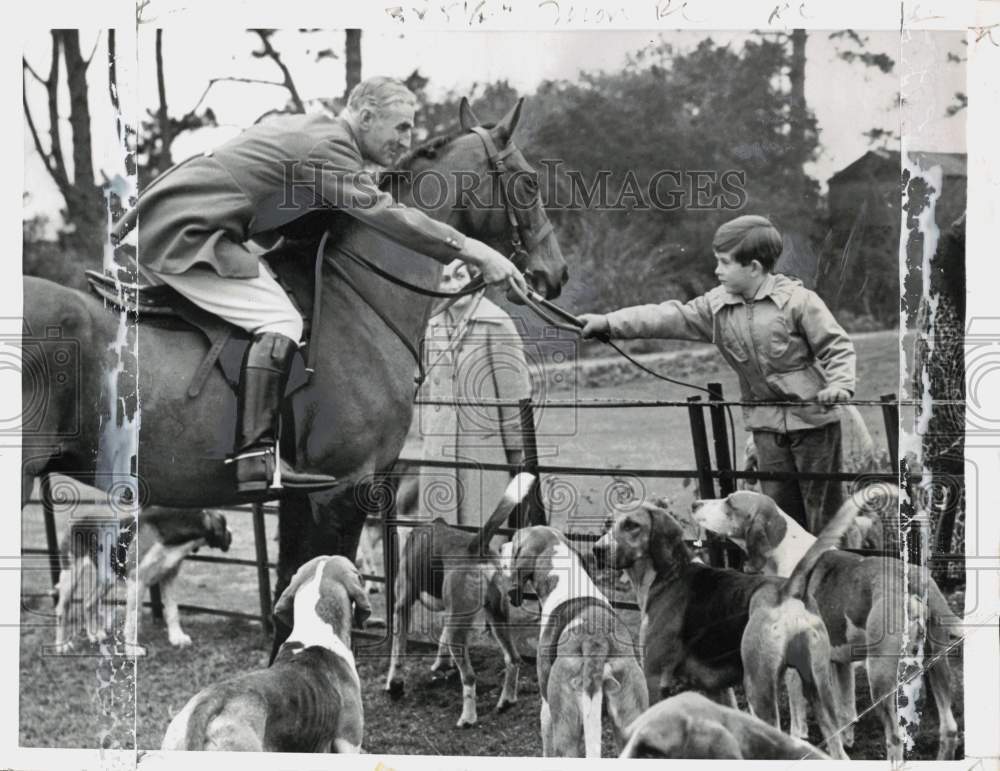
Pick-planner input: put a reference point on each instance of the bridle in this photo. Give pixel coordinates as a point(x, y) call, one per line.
point(522, 240)
point(521, 236)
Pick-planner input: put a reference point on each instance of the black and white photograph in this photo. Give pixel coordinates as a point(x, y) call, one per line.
point(438, 383)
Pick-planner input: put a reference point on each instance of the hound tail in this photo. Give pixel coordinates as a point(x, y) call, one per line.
point(515, 493)
point(829, 538)
point(595, 671)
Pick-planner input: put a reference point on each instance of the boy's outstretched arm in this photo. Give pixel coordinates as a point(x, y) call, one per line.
point(832, 348)
point(669, 320)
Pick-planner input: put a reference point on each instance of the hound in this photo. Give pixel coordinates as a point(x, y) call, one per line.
point(586, 655)
point(147, 551)
point(309, 699)
point(710, 628)
point(369, 559)
point(692, 727)
point(457, 572)
point(861, 601)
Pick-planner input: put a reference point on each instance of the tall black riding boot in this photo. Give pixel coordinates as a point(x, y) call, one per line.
point(266, 368)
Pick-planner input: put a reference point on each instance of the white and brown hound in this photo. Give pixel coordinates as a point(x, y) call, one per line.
point(309, 699)
point(586, 656)
point(862, 601)
point(450, 570)
point(710, 628)
point(689, 726)
point(147, 551)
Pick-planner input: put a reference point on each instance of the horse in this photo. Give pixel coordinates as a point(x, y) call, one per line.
point(351, 418)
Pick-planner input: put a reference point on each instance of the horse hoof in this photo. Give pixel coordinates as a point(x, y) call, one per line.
point(504, 705)
point(465, 722)
point(396, 688)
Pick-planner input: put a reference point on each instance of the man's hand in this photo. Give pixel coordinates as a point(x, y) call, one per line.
point(496, 268)
point(832, 394)
point(595, 325)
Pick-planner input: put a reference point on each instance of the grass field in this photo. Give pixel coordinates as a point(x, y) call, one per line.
point(84, 700)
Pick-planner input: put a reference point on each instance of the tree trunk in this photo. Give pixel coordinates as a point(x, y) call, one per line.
point(84, 201)
point(797, 114)
point(352, 58)
point(164, 161)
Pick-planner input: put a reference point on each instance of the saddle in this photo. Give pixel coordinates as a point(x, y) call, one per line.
point(164, 306)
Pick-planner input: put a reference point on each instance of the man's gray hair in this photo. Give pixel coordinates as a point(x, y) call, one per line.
point(377, 93)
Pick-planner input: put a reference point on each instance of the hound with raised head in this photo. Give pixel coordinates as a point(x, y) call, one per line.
point(309, 699)
point(710, 629)
point(863, 603)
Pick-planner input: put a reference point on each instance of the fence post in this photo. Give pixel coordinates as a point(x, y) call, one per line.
point(263, 572)
point(720, 434)
point(890, 415)
point(703, 462)
point(51, 538)
point(699, 439)
point(534, 511)
point(731, 556)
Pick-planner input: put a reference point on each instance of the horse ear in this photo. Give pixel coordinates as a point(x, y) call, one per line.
point(509, 121)
point(284, 608)
point(466, 117)
point(666, 541)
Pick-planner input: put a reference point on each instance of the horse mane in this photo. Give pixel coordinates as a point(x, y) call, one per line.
point(429, 150)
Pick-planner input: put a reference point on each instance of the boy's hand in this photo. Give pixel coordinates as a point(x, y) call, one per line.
point(832, 394)
point(595, 325)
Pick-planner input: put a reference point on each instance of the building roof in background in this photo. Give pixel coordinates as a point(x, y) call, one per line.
point(879, 161)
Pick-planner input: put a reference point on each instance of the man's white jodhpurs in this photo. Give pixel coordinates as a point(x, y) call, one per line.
point(254, 304)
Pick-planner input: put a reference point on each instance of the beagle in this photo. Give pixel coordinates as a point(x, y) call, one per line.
point(690, 726)
point(450, 570)
point(309, 699)
point(586, 656)
point(147, 551)
point(710, 628)
point(861, 601)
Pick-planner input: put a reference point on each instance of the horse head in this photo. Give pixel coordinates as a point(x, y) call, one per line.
point(493, 194)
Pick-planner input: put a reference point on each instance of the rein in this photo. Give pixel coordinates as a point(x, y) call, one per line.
point(521, 244)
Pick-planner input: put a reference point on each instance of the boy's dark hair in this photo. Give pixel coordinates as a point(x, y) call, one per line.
point(748, 238)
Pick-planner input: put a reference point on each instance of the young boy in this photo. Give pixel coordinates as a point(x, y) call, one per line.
point(783, 343)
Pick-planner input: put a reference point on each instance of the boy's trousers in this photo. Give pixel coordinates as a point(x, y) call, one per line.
point(812, 503)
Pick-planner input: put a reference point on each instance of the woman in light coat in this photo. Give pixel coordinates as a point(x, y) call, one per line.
point(474, 353)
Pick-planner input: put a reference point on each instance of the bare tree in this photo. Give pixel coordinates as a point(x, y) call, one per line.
point(268, 51)
point(352, 60)
point(84, 212)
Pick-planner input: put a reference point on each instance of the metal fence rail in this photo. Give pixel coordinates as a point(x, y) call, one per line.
point(706, 472)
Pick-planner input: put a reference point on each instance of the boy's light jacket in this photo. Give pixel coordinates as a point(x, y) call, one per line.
point(785, 345)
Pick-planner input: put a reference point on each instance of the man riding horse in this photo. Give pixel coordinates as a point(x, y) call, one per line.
point(198, 217)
